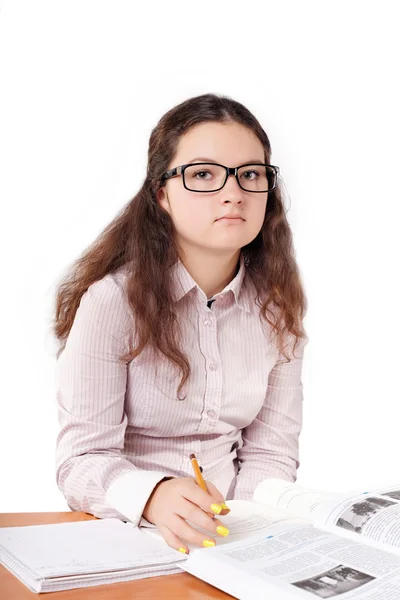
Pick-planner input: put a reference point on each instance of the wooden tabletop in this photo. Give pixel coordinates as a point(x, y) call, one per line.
point(180, 586)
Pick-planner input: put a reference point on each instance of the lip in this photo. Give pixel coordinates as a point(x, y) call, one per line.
point(230, 219)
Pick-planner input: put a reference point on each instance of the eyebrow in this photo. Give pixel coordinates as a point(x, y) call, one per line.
point(202, 158)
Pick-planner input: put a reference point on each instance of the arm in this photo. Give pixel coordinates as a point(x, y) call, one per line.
point(271, 442)
point(91, 471)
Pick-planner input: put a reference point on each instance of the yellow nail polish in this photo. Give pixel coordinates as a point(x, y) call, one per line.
point(222, 530)
point(182, 550)
point(208, 543)
point(216, 508)
point(224, 506)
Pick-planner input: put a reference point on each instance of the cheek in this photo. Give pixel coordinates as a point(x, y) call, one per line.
point(256, 220)
point(260, 214)
point(190, 214)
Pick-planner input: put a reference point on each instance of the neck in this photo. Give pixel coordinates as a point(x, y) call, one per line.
point(212, 274)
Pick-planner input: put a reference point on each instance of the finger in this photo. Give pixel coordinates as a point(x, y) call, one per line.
point(172, 540)
point(220, 499)
point(207, 501)
point(197, 516)
point(220, 528)
point(225, 509)
point(186, 532)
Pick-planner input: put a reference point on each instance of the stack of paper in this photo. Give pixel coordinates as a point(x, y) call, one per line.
point(49, 558)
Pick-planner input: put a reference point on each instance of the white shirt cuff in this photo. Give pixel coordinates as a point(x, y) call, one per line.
point(128, 494)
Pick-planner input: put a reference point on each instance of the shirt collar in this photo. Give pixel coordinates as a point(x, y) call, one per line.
point(183, 283)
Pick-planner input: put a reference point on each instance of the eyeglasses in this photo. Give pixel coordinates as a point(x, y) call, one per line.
point(211, 177)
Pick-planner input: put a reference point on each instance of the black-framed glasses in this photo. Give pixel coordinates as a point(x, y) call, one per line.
point(211, 177)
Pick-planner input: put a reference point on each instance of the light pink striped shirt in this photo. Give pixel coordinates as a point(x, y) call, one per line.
point(122, 428)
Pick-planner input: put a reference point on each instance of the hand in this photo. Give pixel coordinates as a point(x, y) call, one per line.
point(180, 499)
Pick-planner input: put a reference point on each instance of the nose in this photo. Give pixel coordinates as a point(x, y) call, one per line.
point(232, 189)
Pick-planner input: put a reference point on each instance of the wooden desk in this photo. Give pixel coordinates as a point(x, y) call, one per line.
point(180, 586)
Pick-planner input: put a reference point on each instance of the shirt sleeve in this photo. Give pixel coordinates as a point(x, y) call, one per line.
point(91, 471)
point(271, 442)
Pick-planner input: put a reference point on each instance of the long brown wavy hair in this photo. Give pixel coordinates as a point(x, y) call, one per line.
point(143, 235)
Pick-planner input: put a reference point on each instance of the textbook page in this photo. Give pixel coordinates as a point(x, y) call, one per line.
point(372, 516)
point(245, 519)
point(291, 497)
point(298, 561)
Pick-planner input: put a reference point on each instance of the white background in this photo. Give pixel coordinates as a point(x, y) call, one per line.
point(82, 85)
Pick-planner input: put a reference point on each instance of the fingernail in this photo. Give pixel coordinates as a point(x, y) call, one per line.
point(208, 543)
point(216, 508)
point(182, 550)
point(224, 506)
point(222, 530)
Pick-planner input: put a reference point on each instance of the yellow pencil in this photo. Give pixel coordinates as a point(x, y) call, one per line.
point(197, 473)
point(217, 508)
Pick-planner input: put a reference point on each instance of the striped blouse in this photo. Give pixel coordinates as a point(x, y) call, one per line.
point(122, 427)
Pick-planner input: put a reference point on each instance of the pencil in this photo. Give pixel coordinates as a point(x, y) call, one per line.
point(223, 509)
point(197, 473)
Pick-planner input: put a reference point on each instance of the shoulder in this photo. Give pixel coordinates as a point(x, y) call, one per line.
point(107, 297)
point(111, 286)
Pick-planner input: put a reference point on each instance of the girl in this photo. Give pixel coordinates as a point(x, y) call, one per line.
point(178, 331)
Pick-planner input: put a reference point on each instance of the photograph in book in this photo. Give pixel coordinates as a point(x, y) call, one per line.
point(395, 494)
point(373, 515)
point(331, 583)
point(356, 516)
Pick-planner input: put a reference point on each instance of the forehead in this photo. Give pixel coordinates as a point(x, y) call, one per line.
point(228, 143)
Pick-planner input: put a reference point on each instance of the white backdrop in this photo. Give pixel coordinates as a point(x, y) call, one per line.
point(82, 85)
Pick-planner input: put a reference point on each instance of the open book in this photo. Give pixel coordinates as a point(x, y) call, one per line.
point(292, 542)
point(289, 543)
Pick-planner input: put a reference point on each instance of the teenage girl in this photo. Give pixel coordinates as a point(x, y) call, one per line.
point(181, 331)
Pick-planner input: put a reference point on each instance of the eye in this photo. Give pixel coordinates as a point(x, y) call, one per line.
point(252, 171)
point(203, 171)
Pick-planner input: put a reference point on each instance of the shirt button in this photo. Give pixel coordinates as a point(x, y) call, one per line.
point(213, 367)
point(207, 322)
point(211, 414)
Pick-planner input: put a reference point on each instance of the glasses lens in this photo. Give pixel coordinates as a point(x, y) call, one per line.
point(204, 178)
point(257, 178)
point(208, 177)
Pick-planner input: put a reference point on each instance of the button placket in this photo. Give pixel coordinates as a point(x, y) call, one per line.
point(211, 407)
point(209, 348)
